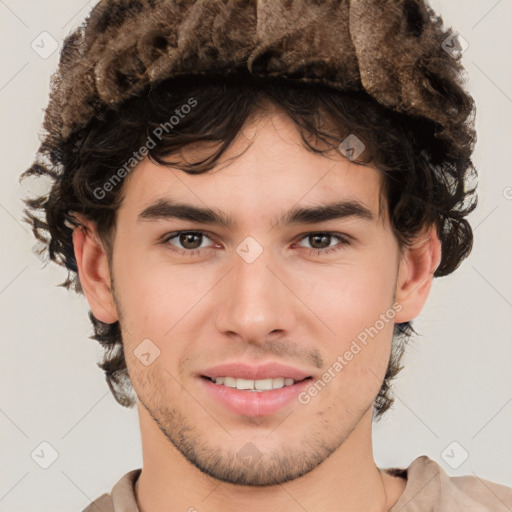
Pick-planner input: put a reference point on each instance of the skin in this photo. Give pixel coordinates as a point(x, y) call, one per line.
point(289, 305)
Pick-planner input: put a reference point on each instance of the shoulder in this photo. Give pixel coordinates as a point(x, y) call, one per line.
point(429, 487)
point(121, 498)
point(103, 503)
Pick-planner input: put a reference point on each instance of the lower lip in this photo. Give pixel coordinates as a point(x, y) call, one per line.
point(254, 403)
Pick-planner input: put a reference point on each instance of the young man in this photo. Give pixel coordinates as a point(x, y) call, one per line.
point(254, 198)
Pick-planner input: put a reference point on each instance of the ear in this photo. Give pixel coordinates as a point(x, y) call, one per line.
point(416, 272)
point(93, 271)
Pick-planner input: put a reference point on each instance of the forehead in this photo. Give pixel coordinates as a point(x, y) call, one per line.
point(266, 171)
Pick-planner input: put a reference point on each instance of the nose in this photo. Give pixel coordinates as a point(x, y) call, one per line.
point(256, 300)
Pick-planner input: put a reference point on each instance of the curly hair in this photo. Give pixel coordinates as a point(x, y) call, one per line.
point(422, 147)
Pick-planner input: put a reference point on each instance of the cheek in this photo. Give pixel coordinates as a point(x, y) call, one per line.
point(349, 297)
point(355, 301)
point(157, 294)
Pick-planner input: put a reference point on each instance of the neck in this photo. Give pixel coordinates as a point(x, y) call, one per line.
point(348, 480)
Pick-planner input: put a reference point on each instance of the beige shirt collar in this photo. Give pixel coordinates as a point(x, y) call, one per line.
point(428, 489)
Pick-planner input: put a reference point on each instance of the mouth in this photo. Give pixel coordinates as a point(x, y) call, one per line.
point(246, 390)
point(259, 385)
point(253, 398)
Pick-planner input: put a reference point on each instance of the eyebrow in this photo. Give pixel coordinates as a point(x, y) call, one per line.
point(164, 209)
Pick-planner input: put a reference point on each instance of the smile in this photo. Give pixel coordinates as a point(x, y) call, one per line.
point(254, 385)
point(242, 397)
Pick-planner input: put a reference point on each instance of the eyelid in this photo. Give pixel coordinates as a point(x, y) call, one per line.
point(336, 234)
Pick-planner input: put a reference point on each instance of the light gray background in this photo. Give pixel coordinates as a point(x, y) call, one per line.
point(456, 385)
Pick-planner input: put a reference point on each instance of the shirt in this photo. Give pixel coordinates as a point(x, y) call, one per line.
point(428, 489)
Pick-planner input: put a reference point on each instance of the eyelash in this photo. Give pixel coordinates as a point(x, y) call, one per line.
point(343, 241)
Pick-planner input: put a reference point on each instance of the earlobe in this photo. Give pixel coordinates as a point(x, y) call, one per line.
point(93, 272)
point(415, 275)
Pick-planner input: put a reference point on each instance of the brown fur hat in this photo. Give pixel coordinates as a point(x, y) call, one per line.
point(393, 50)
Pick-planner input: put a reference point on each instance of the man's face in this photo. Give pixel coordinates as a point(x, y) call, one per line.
point(254, 294)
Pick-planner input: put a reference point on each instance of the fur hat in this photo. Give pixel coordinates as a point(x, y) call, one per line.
point(393, 50)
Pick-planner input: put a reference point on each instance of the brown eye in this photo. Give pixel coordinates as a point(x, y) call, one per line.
point(321, 243)
point(319, 240)
point(187, 242)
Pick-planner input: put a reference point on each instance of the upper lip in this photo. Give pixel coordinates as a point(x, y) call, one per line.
point(269, 370)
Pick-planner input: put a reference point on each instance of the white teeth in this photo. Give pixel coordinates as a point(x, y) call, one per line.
point(229, 381)
point(254, 385)
point(244, 384)
point(263, 384)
